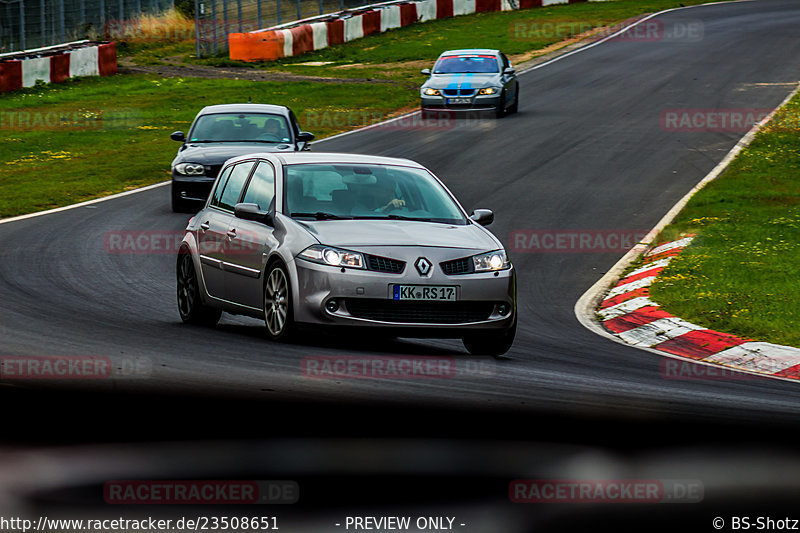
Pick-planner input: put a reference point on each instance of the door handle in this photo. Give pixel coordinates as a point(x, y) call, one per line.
point(204, 226)
point(232, 234)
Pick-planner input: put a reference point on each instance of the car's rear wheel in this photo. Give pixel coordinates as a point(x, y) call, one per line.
point(190, 305)
point(494, 343)
point(278, 315)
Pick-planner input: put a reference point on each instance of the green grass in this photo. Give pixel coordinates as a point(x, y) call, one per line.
point(91, 137)
point(65, 143)
point(741, 274)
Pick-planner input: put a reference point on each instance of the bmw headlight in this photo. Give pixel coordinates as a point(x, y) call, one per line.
point(190, 169)
point(327, 255)
point(488, 90)
point(432, 92)
point(491, 261)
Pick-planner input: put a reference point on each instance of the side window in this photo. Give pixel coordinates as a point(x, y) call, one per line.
point(233, 188)
point(506, 64)
point(294, 123)
point(261, 189)
point(223, 178)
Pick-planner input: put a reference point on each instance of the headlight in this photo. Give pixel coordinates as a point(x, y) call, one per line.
point(432, 92)
point(488, 90)
point(327, 255)
point(488, 262)
point(190, 169)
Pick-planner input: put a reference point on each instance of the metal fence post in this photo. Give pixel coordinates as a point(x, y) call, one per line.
point(197, 27)
point(225, 16)
point(121, 10)
point(239, 14)
point(299, 16)
point(320, 7)
point(102, 17)
point(341, 5)
point(279, 10)
point(258, 14)
point(22, 24)
point(214, 24)
point(42, 24)
point(62, 32)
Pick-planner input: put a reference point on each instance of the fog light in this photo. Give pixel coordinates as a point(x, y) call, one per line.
point(332, 306)
point(503, 309)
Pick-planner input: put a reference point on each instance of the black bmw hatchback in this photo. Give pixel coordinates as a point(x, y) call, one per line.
point(220, 132)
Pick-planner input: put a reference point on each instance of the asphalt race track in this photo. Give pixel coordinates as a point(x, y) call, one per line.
point(587, 151)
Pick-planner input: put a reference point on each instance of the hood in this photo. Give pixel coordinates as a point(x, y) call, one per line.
point(218, 153)
point(359, 233)
point(462, 81)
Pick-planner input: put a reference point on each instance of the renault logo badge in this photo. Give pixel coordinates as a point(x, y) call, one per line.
point(423, 266)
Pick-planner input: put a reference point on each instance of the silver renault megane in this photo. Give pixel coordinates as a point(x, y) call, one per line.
point(346, 240)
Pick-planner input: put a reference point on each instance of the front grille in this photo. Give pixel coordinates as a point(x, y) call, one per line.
point(419, 312)
point(384, 264)
point(459, 92)
point(458, 266)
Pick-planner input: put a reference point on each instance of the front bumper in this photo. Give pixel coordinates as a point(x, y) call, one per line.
point(192, 188)
point(486, 301)
point(476, 103)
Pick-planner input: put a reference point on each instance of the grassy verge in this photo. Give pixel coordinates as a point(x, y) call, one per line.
point(65, 143)
point(740, 274)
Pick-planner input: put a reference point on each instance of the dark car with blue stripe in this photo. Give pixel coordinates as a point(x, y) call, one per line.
point(471, 80)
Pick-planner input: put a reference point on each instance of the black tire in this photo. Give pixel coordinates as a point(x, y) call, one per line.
point(515, 106)
point(500, 110)
point(190, 304)
point(278, 311)
point(494, 343)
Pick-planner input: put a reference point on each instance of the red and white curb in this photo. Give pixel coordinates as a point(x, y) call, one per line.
point(55, 64)
point(628, 313)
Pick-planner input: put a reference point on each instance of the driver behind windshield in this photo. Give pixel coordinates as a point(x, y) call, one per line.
point(273, 130)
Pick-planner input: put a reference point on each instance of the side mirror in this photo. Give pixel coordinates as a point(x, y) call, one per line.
point(252, 212)
point(426, 71)
point(509, 71)
point(178, 136)
point(305, 137)
point(484, 217)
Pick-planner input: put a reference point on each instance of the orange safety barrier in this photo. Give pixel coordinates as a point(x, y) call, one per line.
point(257, 46)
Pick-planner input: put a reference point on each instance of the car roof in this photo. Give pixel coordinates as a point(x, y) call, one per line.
point(484, 51)
point(245, 108)
point(294, 158)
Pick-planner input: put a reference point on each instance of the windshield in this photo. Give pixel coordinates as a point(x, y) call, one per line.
point(466, 64)
point(329, 191)
point(241, 127)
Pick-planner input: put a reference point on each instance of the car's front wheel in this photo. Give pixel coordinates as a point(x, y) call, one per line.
point(515, 106)
point(494, 343)
point(190, 306)
point(278, 303)
point(500, 110)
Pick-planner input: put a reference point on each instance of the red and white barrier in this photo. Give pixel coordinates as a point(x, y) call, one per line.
point(56, 64)
point(629, 314)
point(320, 32)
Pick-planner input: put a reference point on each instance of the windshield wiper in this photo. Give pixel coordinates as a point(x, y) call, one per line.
point(319, 215)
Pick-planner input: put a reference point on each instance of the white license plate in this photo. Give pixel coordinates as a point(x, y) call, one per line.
point(459, 100)
point(442, 293)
